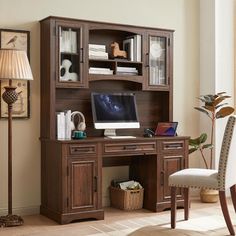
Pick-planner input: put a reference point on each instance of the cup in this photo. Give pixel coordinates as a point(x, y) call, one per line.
point(77, 134)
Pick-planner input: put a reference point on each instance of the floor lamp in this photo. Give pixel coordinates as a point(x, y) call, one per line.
point(14, 64)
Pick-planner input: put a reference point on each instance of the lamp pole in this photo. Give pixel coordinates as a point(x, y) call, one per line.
point(14, 65)
point(10, 96)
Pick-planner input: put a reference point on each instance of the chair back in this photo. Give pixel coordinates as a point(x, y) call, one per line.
point(227, 162)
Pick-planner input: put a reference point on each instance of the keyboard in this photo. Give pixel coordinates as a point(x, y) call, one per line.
point(121, 137)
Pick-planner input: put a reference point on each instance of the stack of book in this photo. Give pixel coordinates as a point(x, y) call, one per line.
point(64, 125)
point(97, 51)
point(100, 70)
point(126, 71)
point(157, 76)
point(132, 45)
point(68, 42)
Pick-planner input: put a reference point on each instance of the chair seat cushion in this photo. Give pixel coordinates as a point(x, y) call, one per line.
point(195, 178)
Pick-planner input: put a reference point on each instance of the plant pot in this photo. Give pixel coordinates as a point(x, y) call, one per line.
point(209, 195)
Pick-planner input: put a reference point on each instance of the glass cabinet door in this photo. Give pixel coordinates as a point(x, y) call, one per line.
point(157, 61)
point(70, 54)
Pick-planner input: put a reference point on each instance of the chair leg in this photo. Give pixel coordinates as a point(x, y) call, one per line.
point(233, 195)
point(186, 203)
point(173, 207)
point(225, 211)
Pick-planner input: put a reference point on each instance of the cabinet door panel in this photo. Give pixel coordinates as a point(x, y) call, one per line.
point(82, 184)
point(170, 164)
point(158, 60)
point(70, 55)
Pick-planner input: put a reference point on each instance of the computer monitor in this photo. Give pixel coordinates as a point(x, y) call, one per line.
point(113, 111)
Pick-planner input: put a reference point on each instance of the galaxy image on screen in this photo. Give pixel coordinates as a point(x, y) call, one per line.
point(115, 107)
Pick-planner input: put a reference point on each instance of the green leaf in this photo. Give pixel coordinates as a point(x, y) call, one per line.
point(203, 138)
point(224, 111)
point(209, 145)
point(201, 110)
point(191, 150)
point(194, 142)
point(197, 141)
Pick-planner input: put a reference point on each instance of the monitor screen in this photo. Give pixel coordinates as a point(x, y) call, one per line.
point(114, 110)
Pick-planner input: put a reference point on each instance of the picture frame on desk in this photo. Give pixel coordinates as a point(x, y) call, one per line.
point(16, 39)
point(166, 129)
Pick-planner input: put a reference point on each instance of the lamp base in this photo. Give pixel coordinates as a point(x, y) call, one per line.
point(11, 220)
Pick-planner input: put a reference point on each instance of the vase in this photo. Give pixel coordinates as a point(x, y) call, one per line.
point(209, 195)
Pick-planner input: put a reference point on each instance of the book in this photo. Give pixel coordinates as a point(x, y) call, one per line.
point(67, 124)
point(61, 125)
point(128, 46)
point(126, 69)
point(138, 48)
point(99, 47)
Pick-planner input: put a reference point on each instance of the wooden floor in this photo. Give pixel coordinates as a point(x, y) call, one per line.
point(205, 219)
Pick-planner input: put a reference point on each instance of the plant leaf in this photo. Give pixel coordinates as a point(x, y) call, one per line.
point(220, 105)
point(191, 150)
point(220, 99)
point(194, 142)
point(209, 108)
point(202, 99)
point(201, 110)
point(224, 111)
point(197, 141)
point(209, 98)
point(203, 138)
point(220, 93)
point(209, 145)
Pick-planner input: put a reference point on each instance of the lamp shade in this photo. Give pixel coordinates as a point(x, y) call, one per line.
point(14, 64)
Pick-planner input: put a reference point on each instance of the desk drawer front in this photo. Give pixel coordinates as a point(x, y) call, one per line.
point(130, 148)
point(82, 149)
point(168, 146)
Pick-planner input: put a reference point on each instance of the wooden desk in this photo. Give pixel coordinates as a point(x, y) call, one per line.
point(72, 173)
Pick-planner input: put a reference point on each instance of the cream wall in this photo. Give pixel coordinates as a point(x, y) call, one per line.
point(180, 15)
point(217, 26)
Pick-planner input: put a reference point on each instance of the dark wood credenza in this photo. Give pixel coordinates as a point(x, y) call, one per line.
point(71, 170)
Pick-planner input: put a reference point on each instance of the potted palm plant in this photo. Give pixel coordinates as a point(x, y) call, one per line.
point(214, 107)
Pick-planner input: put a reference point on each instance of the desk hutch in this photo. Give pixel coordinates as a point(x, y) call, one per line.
point(71, 170)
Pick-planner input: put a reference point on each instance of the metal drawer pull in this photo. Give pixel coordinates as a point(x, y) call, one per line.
point(162, 177)
point(82, 149)
point(95, 184)
point(173, 146)
point(130, 147)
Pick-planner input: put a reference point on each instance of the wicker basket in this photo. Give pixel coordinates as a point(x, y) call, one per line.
point(126, 199)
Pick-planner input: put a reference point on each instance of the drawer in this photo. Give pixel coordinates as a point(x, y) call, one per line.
point(133, 148)
point(82, 149)
point(172, 146)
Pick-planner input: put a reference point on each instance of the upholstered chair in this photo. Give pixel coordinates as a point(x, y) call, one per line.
point(221, 179)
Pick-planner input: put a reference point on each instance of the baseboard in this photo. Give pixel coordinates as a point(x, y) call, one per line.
point(23, 211)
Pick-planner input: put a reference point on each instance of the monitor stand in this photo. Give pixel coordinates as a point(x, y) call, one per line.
point(111, 133)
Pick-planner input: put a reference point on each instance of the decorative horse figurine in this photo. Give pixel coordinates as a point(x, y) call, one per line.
point(116, 52)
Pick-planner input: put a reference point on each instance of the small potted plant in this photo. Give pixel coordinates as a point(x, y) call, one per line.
point(215, 107)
